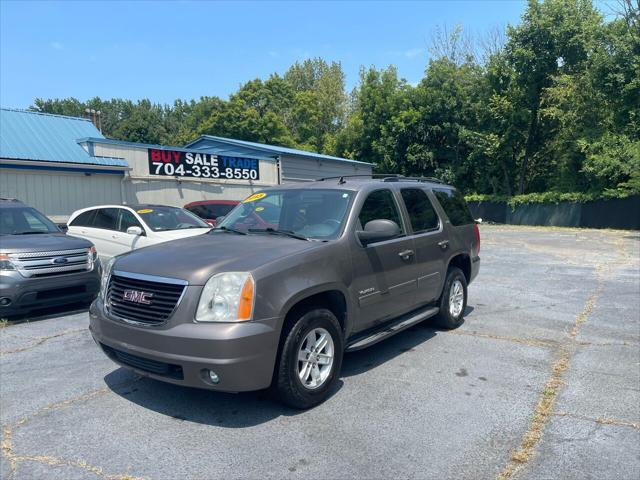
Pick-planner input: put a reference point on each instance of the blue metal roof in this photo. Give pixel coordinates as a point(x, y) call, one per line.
point(208, 141)
point(111, 141)
point(49, 138)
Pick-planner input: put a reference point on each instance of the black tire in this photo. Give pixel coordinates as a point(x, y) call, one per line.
point(287, 383)
point(445, 319)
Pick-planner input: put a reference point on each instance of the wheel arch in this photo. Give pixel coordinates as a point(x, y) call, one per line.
point(463, 262)
point(331, 296)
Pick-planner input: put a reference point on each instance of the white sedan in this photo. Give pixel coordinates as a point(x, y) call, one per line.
point(117, 229)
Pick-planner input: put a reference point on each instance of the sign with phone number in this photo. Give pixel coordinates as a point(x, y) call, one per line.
point(202, 165)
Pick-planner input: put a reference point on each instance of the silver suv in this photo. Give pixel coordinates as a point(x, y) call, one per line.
point(40, 266)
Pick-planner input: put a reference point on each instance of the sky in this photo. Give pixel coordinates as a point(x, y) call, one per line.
point(179, 49)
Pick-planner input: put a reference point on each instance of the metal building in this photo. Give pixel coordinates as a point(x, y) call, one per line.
point(42, 164)
point(60, 164)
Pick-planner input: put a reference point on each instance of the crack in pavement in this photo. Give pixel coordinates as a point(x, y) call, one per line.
point(7, 447)
point(609, 344)
point(603, 270)
point(533, 342)
point(599, 420)
point(40, 340)
point(547, 399)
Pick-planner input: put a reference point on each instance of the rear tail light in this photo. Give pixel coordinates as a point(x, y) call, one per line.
point(477, 232)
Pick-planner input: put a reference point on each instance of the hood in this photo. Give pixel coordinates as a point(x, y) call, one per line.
point(41, 243)
point(196, 259)
point(184, 233)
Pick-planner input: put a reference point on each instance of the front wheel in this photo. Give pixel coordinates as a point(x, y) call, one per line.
point(310, 360)
point(453, 300)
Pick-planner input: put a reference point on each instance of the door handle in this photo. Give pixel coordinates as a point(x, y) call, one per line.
point(444, 244)
point(115, 236)
point(405, 254)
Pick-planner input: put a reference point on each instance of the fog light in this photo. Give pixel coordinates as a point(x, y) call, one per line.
point(4, 301)
point(213, 376)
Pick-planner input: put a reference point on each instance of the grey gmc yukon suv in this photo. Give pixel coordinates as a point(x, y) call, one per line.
point(40, 266)
point(291, 278)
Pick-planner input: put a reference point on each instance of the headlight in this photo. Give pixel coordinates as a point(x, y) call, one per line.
point(104, 280)
point(227, 297)
point(5, 263)
point(93, 255)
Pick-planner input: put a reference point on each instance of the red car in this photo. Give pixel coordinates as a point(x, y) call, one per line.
point(209, 210)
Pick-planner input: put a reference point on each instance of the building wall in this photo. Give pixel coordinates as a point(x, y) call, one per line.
point(59, 194)
point(139, 163)
point(300, 169)
point(172, 192)
point(141, 187)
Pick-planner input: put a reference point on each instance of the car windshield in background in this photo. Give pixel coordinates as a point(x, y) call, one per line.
point(310, 213)
point(211, 211)
point(160, 219)
point(24, 221)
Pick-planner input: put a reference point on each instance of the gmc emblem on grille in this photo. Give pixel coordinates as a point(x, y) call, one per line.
point(137, 296)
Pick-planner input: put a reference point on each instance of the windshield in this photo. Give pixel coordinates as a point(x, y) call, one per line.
point(311, 213)
point(24, 221)
point(163, 218)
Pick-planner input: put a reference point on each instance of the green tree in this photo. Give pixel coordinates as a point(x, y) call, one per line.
point(553, 38)
point(319, 90)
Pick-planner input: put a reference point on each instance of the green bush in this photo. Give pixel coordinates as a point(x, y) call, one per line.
point(550, 197)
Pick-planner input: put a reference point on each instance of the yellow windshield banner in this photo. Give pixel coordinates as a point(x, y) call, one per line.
point(254, 197)
point(145, 210)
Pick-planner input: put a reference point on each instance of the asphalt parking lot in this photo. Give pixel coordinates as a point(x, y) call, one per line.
point(541, 381)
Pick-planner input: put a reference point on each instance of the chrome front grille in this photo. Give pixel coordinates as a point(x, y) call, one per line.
point(38, 264)
point(143, 299)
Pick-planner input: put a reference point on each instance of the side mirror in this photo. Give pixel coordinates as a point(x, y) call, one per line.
point(377, 231)
point(134, 231)
point(63, 227)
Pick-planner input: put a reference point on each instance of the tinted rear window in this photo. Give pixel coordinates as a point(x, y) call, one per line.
point(106, 218)
point(454, 206)
point(421, 213)
point(85, 219)
point(214, 211)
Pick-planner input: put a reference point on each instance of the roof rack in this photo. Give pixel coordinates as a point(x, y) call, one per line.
point(401, 178)
point(372, 175)
point(385, 177)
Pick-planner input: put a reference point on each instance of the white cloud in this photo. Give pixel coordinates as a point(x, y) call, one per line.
point(409, 53)
point(413, 52)
point(57, 45)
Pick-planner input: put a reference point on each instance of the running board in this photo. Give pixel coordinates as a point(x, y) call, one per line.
point(388, 330)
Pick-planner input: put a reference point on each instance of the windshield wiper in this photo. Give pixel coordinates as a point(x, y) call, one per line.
point(274, 231)
point(29, 233)
point(231, 230)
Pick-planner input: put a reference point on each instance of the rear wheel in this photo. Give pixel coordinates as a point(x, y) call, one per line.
point(310, 359)
point(453, 300)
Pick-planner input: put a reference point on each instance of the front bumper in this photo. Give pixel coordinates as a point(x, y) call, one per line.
point(26, 294)
point(241, 354)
